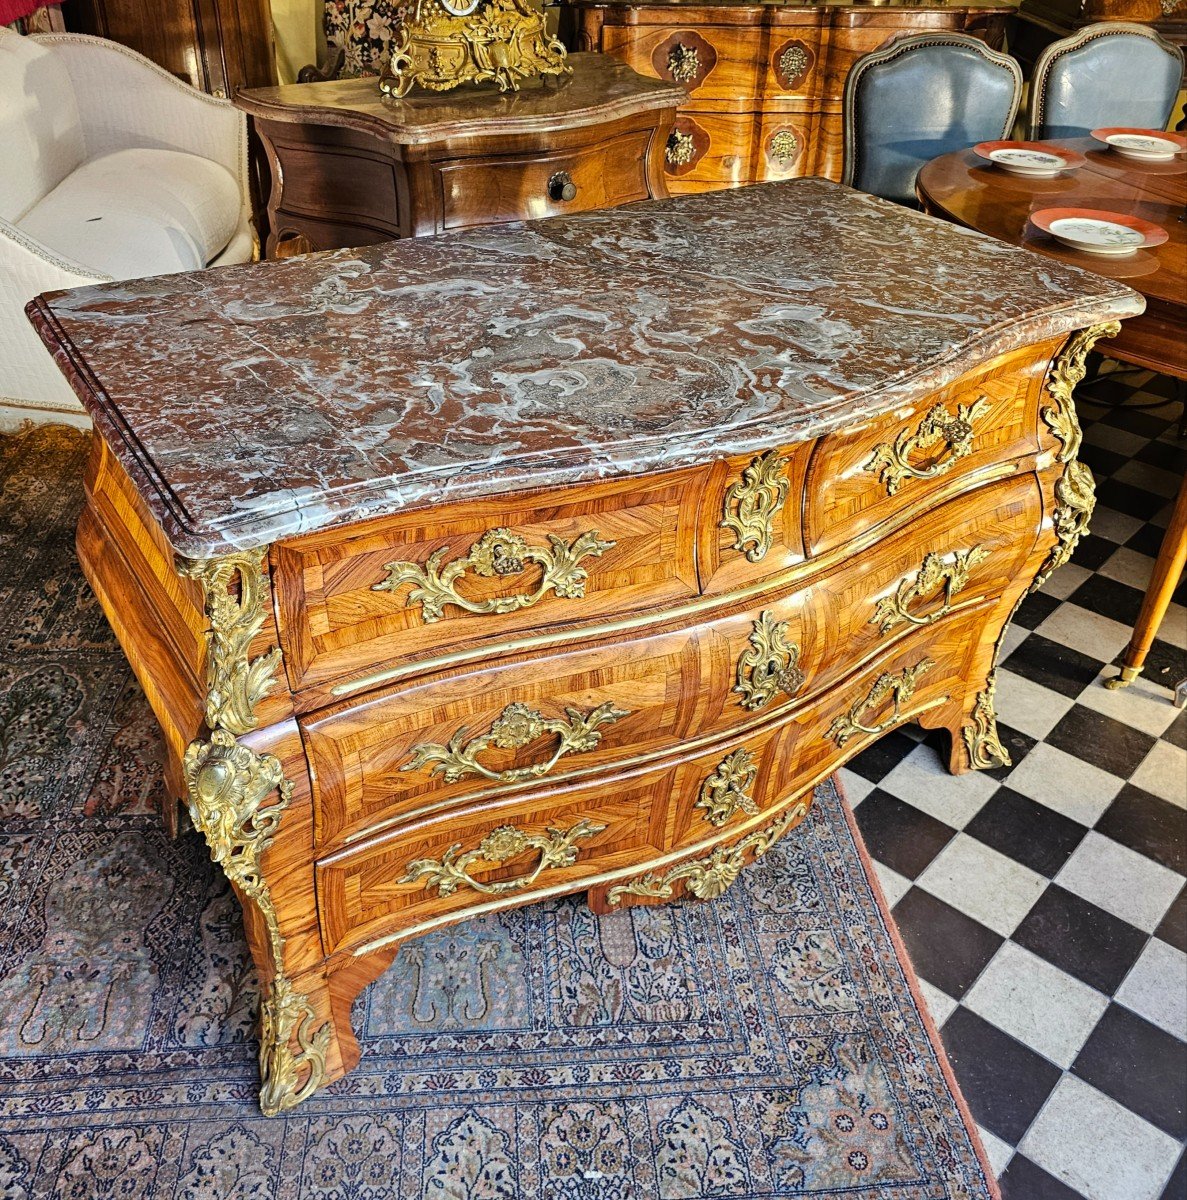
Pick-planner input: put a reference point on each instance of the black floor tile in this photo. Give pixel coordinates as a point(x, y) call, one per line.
point(1173, 926)
point(1127, 499)
point(1109, 598)
point(1028, 832)
point(1106, 743)
point(1035, 609)
point(1139, 1065)
point(1093, 552)
point(1169, 456)
point(1165, 664)
point(1177, 733)
point(898, 834)
point(1004, 1082)
point(1017, 744)
point(1134, 420)
point(876, 761)
point(1176, 1186)
point(948, 949)
point(1147, 540)
point(1024, 1180)
point(1060, 668)
point(1148, 825)
point(1080, 938)
point(1102, 462)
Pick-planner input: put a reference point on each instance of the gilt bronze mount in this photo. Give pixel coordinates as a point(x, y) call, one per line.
point(447, 43)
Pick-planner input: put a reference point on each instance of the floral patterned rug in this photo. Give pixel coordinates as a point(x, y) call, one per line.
point(764, 1045)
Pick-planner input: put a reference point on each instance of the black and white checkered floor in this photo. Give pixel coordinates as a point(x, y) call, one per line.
point(1044, 905)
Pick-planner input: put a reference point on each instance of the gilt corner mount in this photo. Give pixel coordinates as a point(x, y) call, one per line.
point(444, 44)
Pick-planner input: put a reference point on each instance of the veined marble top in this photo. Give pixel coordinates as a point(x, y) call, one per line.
point(255, 402)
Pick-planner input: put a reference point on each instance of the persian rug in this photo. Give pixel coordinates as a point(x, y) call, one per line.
point(768, 1044)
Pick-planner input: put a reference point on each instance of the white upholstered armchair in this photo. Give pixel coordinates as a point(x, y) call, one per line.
point(110, 168)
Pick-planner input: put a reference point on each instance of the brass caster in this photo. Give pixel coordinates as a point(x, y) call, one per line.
point(1124, 679)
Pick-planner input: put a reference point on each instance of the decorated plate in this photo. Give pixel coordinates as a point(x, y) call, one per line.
point(1037, 159)
point(1153, 145)
point(1096, 232)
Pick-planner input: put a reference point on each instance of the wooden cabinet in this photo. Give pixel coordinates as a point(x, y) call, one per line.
point(765, 82)
point(217, 46)
point(468, 571)
point(350, 167)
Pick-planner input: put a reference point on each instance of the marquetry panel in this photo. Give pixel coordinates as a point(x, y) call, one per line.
point(335, 623)
point(887, 469)
point(732, 68)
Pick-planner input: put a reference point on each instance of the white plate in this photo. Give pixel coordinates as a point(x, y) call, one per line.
point(1096, 237)
point(1141, 145)
point(1027, 162)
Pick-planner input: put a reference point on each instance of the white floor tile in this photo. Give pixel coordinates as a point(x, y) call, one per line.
point(1037, 1003)
point(1120, 441)
point(1014, 636)
point(1116, 527)
point(984, 884)
point(1120, 880)
point(1095, 1145)
point(1029, 707)
point(856, 787)
point(1099, 637)
point(1144, 705)
point(894, 885)
point(1065, 581)
point(1164, 772)
point(1065, 783)
point(1126, 565)
point(922, 780)
point(939, 1004)
point(998, 1152)
point(1156, 988)
point(1149, 478)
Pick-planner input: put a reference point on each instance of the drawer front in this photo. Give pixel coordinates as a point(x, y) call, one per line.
point(420, 586)
point(519, 848)
point(710, 148)
point(712, 62)
point(487, 191)
point(450, 740)
point(888, 469)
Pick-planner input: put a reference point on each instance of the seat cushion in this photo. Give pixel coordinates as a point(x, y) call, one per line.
point(139, 212)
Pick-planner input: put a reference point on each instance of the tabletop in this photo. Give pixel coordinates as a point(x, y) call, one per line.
point(255, 402)
point(964, 188)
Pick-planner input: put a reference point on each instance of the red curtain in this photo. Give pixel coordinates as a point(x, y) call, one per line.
point(14, 10)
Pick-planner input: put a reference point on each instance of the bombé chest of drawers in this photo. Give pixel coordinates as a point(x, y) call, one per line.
point(453, 590)
point(350, 166)
point(765, 81)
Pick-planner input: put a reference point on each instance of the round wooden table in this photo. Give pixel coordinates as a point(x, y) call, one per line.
point(964, 188)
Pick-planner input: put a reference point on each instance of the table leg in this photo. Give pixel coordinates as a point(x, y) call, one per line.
point(1168, 566)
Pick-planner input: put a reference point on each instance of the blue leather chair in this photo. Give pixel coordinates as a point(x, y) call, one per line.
point(1107, 74)
point(919, 97)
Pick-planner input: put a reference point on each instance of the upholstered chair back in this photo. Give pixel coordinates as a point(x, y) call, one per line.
point(919, 97)
point(1113, 74)
point(41, 139)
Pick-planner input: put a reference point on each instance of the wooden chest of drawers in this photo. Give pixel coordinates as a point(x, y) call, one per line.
point(448, 607)
point(350, 167)
point(765, 81)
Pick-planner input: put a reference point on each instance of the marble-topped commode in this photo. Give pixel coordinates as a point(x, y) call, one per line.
point(264, 400)
point(563, 557)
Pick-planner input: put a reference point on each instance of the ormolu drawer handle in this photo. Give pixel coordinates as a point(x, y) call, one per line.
point(498, 552)
point(900, 686)
point(561, 187)
point(892, 463)
point(727, 790)
point(895, 610)
point(753, 502)
point(451, 871)
point(768, 665)
point(512, 729)
point(683, 62)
